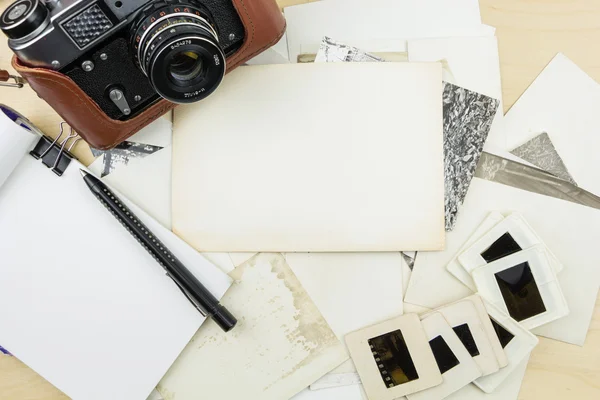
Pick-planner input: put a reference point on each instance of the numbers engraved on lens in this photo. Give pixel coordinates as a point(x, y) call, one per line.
point(194, 93)
point(181, 43)
point(217, 60)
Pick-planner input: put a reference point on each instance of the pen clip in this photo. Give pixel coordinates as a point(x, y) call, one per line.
point(188, 295)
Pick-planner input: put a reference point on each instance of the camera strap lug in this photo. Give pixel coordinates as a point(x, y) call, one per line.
point(5, 77)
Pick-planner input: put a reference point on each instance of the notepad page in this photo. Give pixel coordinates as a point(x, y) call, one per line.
point(82, 303)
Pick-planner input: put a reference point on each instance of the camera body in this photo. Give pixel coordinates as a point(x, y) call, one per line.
point(122, 68)
point(128, 54)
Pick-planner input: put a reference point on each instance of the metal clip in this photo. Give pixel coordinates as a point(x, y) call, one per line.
point(42, 149)
point(54, 155)
point(60, 162)
point(18, 81)
point(188, 295)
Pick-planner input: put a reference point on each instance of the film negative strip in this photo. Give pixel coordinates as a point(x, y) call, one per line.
point(393, 359)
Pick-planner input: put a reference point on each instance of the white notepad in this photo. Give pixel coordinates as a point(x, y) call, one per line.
point(83, 304)
point(313, 157)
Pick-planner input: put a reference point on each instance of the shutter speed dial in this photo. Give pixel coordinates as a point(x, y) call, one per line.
point(23, 17)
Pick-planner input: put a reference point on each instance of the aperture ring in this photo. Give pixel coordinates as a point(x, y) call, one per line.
point(161, 15)
point(166, 40)
point(149, 45)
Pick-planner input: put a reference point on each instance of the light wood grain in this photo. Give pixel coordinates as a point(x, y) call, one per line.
point(18, 382)
point(530, 33)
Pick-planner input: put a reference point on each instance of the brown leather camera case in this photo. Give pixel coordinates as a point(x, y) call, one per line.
point(264, 25)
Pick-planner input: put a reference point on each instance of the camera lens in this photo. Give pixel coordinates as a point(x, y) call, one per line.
point(177, 47)
point(185, 67)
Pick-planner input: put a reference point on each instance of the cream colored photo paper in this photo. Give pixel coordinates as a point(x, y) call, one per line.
point(306, 160)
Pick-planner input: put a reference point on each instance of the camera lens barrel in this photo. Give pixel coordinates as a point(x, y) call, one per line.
point(23, 17)
point(177, 47)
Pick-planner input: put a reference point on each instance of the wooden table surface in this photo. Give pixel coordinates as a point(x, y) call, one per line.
point(530, 33)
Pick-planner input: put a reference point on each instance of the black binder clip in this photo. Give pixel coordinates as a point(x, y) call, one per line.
point(53, 154)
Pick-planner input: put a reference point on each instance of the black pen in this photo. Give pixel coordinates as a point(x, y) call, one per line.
point(195, 291)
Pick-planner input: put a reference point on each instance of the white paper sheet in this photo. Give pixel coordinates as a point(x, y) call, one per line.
point(569, 230)
point(563, 101)
point(379, 19)
point(87, 304)
point(291, 170)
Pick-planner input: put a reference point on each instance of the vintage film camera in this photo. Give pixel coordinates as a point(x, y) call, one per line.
point(127, 55)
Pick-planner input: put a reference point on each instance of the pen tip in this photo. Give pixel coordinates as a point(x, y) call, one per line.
point(83, 173)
